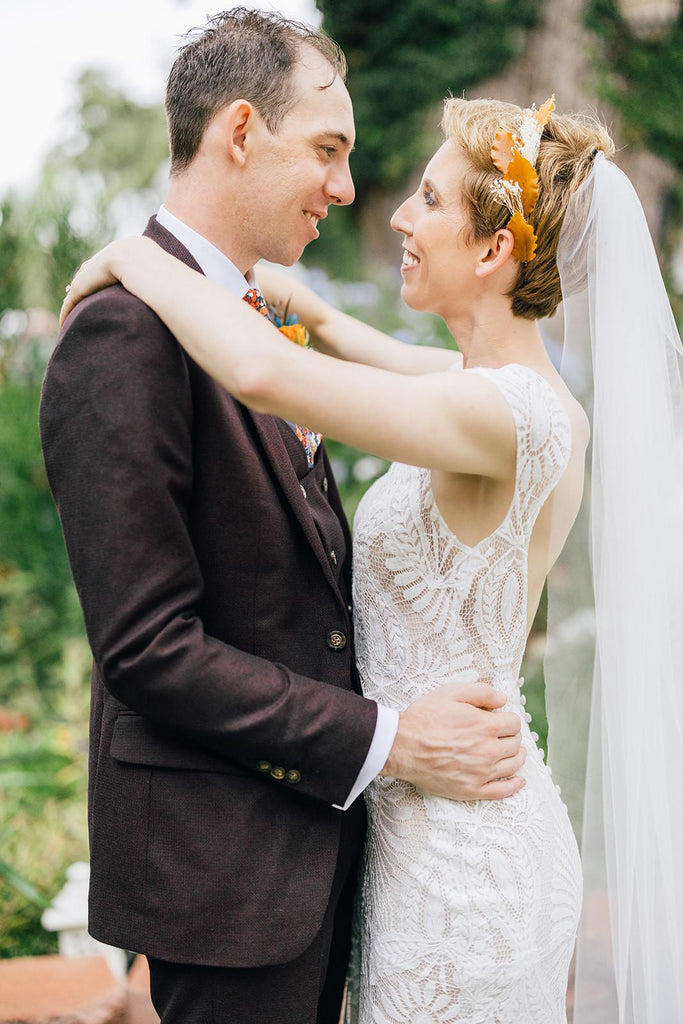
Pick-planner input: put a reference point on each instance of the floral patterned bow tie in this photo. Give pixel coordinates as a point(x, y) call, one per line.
point(310, 439)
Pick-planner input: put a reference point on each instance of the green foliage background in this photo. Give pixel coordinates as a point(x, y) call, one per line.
point(643, 80)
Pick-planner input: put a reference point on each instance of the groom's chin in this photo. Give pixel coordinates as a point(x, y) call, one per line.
point(291, 256)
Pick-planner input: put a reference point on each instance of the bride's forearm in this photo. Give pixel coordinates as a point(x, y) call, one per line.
point(333, 332)
point(284, 292)
point(345, 337)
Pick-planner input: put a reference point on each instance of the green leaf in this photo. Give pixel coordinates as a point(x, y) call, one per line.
point(22, 885)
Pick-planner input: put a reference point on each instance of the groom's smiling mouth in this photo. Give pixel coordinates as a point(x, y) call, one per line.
point(313, 219)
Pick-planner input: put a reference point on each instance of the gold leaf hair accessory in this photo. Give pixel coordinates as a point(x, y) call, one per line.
point(515, 154)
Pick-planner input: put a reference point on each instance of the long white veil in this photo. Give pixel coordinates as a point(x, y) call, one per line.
point(614, 660)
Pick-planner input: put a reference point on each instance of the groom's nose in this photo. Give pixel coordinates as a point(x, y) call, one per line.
point(340, 188)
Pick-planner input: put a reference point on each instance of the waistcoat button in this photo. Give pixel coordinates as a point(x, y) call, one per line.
point(293, 776)
point(263, 766)
point(278, 773)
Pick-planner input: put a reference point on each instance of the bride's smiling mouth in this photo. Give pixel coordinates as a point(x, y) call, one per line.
point(409, 261)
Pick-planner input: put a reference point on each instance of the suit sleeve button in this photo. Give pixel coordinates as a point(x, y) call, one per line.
point(263, 766)
point(293, 776)
point(278, 773)
point(336, 640)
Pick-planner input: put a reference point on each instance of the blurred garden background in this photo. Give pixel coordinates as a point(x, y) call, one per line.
point(622, 60)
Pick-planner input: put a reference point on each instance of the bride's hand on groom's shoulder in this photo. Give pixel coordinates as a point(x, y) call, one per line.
point(450, 744)
point(105, 268)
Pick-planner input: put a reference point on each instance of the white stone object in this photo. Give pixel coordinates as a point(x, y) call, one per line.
point(68, 916)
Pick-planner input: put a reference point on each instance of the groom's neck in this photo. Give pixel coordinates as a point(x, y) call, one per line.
point(212, 215)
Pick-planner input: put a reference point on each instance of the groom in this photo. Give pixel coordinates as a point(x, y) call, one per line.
point(229, 740)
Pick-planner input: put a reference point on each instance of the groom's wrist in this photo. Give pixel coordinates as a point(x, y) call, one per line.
point(396, 763)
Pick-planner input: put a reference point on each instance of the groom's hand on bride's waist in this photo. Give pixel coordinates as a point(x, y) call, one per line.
point(450, 744)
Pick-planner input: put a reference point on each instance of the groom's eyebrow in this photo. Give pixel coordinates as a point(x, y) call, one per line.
point(339, 136)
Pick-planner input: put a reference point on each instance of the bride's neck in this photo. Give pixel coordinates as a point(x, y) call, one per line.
point(496, 337)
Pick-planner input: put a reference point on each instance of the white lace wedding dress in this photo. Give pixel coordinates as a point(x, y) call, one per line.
point(468, 910)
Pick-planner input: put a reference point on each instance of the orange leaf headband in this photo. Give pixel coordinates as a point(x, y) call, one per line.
point(515, 155)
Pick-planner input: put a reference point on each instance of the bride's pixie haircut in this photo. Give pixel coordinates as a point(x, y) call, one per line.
point(568, 145)
point(238, 54)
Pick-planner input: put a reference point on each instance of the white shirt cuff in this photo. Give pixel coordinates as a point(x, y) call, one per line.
point(386, 728)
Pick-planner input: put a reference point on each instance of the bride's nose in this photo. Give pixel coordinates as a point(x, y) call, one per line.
point(400, 221)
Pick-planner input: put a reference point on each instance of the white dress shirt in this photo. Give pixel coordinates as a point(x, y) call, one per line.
point(219, 268)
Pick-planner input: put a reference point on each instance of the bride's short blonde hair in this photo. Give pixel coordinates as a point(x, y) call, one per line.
point(568, 145)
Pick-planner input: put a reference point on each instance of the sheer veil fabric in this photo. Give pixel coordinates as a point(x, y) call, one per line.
point(614, 659)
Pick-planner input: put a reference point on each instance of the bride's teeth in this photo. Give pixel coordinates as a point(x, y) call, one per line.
point(409, 260)
point(312, 217)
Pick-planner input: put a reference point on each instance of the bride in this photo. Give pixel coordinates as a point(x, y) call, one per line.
point(469, 910)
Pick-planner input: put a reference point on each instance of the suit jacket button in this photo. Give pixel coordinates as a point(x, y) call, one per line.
point(336, 640)
point(263, 766)
point(325, 484)
point(333, 557)
point(293, 776)
point(278, 773)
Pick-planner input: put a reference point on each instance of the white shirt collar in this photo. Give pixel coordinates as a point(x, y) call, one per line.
point(213, 262)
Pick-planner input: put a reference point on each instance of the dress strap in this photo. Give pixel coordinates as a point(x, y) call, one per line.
point(544, 436)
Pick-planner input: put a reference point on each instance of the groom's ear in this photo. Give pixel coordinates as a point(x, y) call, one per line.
point(238, 120)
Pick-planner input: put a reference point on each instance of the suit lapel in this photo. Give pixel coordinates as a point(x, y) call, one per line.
point(278, 456)
point(266, 427)
point(335, 501)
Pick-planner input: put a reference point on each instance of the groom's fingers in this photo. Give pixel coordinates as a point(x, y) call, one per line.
point(507, 747)
point(507, 723)
point(509, 766)
point(481, 695)
point(501, 789)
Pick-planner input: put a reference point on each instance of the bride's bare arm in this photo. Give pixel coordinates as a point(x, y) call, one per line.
point(451, 421)
point(343, 336)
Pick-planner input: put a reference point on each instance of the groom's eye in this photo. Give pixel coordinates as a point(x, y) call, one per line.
point(428, 197)
point(330, 150)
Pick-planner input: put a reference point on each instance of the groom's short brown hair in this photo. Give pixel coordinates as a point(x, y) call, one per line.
point(239, 54)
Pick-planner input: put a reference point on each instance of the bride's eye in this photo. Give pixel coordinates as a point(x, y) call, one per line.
point(428, 197)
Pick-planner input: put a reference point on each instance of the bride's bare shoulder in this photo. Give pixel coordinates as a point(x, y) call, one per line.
point(581, 428)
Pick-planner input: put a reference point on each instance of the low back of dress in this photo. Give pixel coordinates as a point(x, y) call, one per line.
point(431, 609)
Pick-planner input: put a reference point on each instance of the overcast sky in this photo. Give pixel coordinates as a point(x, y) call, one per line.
point(44, 44)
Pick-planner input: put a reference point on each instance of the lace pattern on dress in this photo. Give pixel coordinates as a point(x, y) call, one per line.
point(468, 910)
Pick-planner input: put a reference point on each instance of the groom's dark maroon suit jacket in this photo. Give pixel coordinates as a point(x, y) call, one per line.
point(216, 621)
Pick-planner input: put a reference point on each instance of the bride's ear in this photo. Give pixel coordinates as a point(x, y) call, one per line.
point(496, 253)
